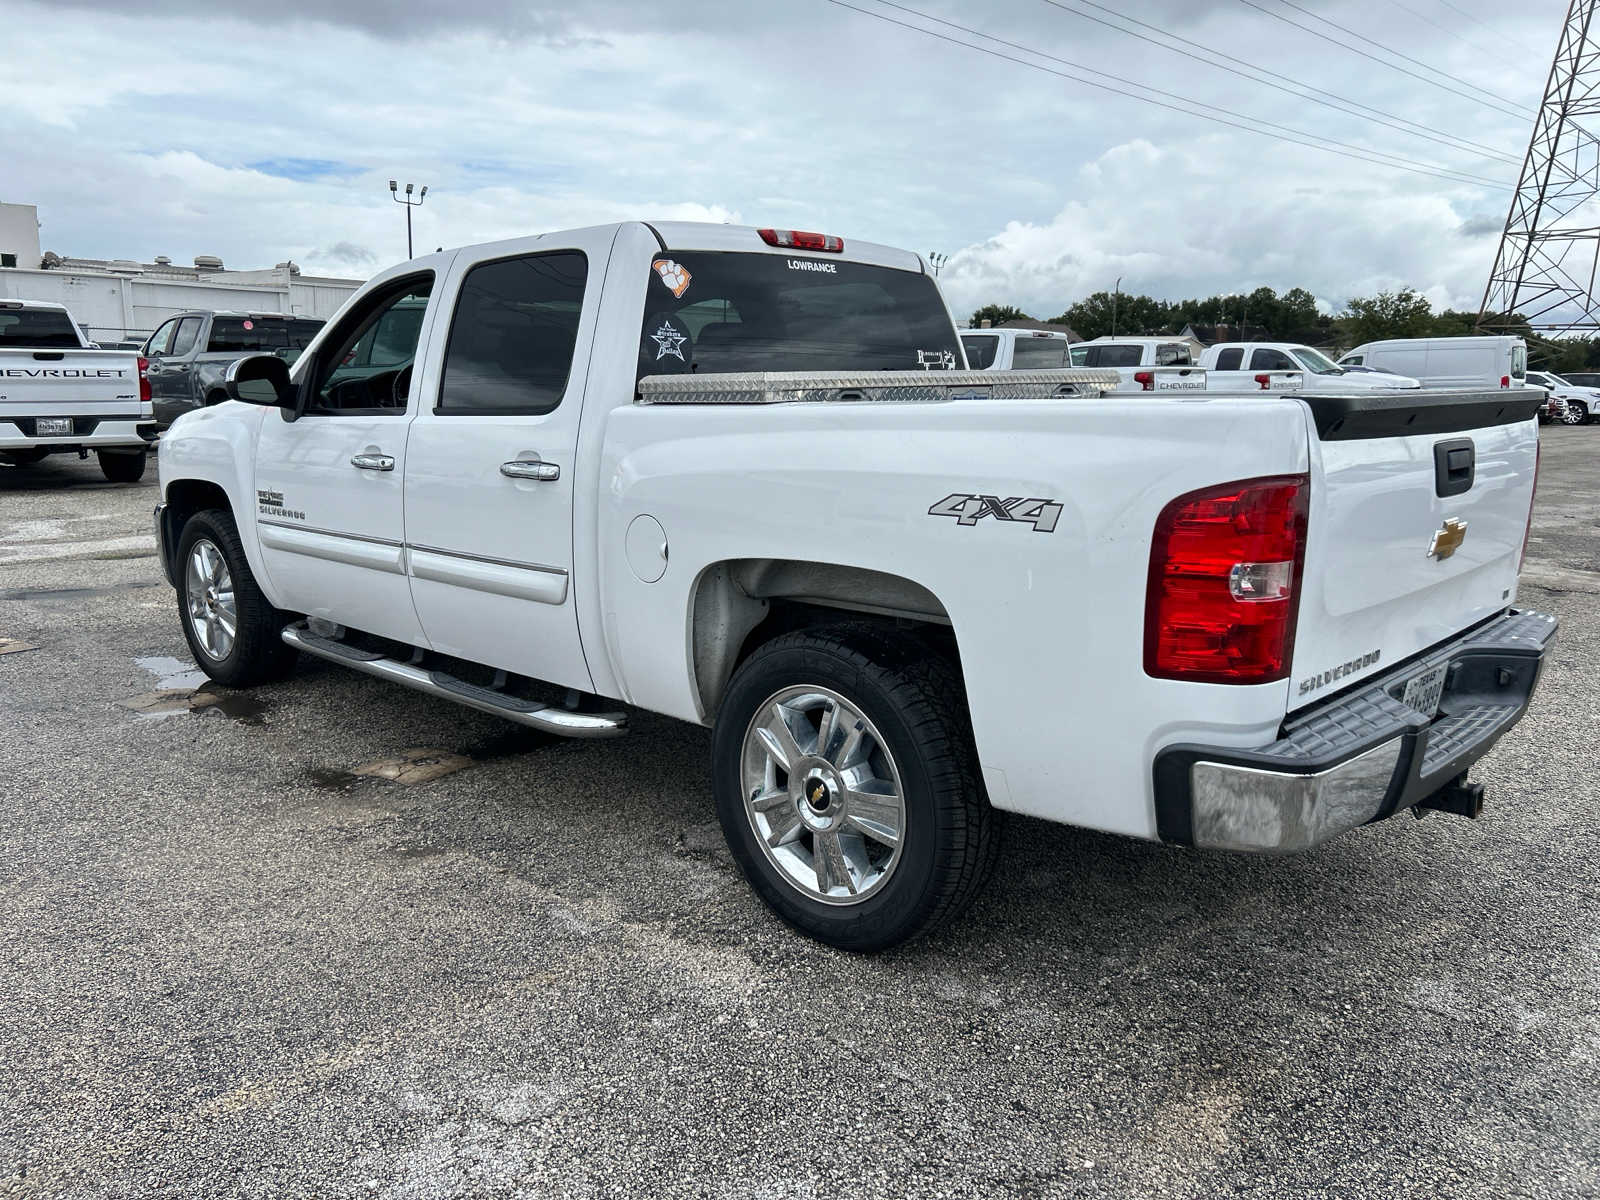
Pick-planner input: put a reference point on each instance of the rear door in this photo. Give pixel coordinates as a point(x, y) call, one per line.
point(1418, 512)
point(489, 477)
point(329, 509)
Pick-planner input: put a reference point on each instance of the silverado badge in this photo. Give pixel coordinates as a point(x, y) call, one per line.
point(1447, 539)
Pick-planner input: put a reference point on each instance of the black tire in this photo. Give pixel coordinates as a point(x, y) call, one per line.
point(258, 654)
point(122, 468)
point(916, 699)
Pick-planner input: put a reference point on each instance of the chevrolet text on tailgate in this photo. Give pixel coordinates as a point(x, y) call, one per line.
point(741, 477)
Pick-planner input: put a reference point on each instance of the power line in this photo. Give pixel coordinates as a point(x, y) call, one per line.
point(1479, 23)
point(1476, 99)
point(1188, 49)
point(1327, 145)
point(1446, 30)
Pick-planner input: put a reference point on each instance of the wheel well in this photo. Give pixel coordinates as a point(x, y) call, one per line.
point(185, 497)
point(742, 604)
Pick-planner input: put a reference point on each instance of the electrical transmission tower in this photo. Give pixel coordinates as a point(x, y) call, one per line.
point(1545, 269)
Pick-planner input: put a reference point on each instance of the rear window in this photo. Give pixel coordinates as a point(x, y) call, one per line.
point(730, 311)
point(1519, 361)
point(37, 329)
point(1113, 356)
point(981, 350)
point(1041, 354)
point(260, 335)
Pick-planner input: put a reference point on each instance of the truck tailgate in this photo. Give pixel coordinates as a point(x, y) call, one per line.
point(1419, 507)
point(68, 383)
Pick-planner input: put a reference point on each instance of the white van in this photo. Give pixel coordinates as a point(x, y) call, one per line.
point(1448, 362)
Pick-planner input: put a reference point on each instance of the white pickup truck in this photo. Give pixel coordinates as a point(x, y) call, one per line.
point(1143, 364)
point(58, 394)
point(1288, 366)
point(706, 471)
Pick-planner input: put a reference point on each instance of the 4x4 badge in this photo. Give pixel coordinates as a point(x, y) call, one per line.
point(1447, 539)
point(969, 509)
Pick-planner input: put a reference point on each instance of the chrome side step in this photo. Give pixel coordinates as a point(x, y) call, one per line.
point(447, 687)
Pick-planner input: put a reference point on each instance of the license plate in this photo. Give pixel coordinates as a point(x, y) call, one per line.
point(53, 426)
point(1422, 693)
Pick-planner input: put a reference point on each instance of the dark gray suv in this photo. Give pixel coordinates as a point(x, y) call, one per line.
point(189, 353)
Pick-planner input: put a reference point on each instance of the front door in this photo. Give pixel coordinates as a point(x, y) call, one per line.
point(489, 476)
point(329, 508)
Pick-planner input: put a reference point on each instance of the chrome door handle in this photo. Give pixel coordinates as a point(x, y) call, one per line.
point(531, 469)
point(373, 462)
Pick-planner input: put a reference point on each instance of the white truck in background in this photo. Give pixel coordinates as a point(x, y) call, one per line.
point(1145, 364)
point(1270, 365)
point(1016, 349)
point(59, 395)
point(704, 470)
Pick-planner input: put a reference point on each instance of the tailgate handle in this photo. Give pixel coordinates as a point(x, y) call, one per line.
point(1454, 465)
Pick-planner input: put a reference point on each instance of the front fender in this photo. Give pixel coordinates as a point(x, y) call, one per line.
point(217, 446)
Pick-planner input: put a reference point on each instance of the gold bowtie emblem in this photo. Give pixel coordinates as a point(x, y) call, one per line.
point(1447, 539)
point(817, 794)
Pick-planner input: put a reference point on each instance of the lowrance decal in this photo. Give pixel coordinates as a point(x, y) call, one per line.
point(805, 264)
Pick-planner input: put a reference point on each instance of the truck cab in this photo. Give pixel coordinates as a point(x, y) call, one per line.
point(1016, 349)
point(188, 354)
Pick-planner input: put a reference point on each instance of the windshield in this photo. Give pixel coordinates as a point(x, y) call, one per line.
point(723, 312)
point(1316, 361)
point(37, 329)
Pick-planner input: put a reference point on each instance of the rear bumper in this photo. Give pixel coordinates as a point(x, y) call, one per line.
point(1361, 757)
point(88, 433)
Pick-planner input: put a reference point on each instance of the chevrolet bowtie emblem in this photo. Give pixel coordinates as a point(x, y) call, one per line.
point(817, 794)
point(1447, 539)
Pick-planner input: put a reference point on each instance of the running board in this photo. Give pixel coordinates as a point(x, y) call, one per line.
point(447, 687)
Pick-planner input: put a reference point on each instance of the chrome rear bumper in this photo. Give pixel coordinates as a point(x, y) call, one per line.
point(1360, 757)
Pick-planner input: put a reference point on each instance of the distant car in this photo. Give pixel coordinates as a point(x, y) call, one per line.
point(1583, 379)
point(189, 354)
point(1581, 404)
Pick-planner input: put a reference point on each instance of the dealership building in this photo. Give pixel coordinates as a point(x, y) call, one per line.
point(120, 299)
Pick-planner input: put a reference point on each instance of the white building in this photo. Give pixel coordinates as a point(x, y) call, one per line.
point(118, 298)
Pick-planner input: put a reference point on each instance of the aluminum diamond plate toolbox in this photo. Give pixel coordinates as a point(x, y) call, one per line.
point(924, 387)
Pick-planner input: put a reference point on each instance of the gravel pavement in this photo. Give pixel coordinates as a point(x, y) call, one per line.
point(231, 967)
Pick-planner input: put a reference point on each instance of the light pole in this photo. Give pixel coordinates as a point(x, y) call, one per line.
point(1116, 303)
point(937, 261)
point(394, 194)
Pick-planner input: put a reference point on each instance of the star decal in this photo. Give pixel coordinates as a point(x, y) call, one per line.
point(668, 341)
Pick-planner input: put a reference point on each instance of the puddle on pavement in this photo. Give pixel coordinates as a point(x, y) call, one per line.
point(13, 646)
point(182, 687)
point(418, 765)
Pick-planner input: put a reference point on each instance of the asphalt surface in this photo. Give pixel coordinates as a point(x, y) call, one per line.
point(229, 967)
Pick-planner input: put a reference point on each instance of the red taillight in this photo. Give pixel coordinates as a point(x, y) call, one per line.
point(1265, 381)
point(1505, 381)
point(1223, 593)
point(1527, 532)
point(795, 239)
point(1146, 380)
point(144, 380)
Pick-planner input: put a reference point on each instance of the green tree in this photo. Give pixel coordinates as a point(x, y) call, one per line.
point(1106, 312)
point(998, 314)
point(1401, 314)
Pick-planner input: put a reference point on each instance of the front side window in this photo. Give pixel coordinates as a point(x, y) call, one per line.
point(709, 311)
point(188, 333)
point(1272, 360)
point(514, 334)
point(1114, 356)
point(365, 365)
point(981, 349)
point(1352, 360)
point(1041, 354)
point(161, 338)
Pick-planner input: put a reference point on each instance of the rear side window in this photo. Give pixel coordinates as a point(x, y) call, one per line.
point(514, 334)
point(1231, 359)
point(1113, 356)
point(981, 351)
point(776, 313)
point(1041, 354)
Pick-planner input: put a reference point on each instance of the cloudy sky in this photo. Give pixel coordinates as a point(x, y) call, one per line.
point(271, 133)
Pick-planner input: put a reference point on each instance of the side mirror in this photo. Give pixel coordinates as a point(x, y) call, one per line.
point(260, 379)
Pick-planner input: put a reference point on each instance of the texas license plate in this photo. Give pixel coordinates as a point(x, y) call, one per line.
point(53, 426)
point(1422, 692)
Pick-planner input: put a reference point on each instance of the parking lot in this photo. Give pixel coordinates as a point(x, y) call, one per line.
point(232, 966)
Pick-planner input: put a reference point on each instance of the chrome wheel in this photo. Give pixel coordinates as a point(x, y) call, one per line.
point(1577, 413)
point(208, 594)
point(823, 794)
